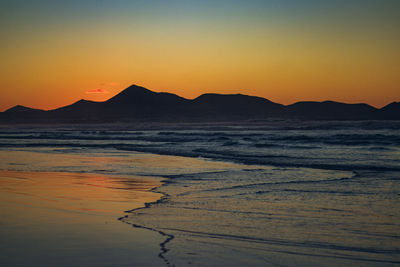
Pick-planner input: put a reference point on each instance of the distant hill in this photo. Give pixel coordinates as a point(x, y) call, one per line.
point(142, 104)
point(330, 110)
point(391, 111)
point(138, 104)
point(21, 114)
point(238, 106)
point(21, 109)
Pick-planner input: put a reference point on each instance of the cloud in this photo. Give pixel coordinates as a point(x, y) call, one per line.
point(97, 91)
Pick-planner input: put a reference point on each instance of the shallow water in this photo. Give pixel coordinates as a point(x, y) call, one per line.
point(307, 195)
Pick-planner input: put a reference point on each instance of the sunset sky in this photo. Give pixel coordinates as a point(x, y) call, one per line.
point(54, 53)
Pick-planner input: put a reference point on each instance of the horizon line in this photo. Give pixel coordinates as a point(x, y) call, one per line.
point(191, 99)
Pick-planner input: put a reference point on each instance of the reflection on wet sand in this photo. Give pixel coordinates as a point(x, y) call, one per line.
point(71, 219)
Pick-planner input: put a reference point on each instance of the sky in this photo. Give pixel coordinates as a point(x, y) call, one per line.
point(54, 53)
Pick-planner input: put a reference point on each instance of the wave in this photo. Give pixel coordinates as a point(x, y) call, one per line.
point(250, 158)
point(282, 242)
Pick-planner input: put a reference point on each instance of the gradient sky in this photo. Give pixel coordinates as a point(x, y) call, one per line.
point(54, 53)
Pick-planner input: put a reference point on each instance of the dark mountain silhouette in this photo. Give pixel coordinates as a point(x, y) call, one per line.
point(332, 111)
point(140, 96)
point(135, 103)
point(138, 104)
point(235, 106)
point(22, 109)
point(21, 114)
point(392, 111)
point(82, 110)
point(141, 103)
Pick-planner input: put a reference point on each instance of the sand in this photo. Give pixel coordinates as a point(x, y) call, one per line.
point(64, 219)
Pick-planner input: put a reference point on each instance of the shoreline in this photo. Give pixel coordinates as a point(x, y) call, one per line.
point(147, 205)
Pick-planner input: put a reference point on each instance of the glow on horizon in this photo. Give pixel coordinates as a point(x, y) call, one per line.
point(53, 52)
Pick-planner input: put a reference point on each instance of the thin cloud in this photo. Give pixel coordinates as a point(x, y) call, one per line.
point(97, 91)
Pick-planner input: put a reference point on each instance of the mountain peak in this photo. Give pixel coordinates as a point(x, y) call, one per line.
point(136, 88)
point(132, 93)
point(19, 108)
point(138, 96)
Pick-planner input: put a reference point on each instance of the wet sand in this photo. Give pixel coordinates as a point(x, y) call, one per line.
point(70, 219)
point(62, 207)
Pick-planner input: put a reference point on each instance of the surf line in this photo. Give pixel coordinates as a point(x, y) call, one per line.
point(169, 237)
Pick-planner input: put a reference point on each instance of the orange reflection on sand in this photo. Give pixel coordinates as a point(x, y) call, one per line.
point(75, 192)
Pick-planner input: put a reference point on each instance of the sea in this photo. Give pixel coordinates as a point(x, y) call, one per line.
point(290, 194)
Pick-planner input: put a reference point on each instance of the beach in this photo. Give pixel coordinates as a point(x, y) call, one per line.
point(69, 219)
point(312, 195)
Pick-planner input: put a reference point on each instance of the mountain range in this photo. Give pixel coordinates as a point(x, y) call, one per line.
point(138, 104)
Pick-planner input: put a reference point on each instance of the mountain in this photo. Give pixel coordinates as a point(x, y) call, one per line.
point(392, 111)
point(135, 103)
point(136, 95)
point(22, 109)
point(235, 106)
point(330, 110)
point(138, 104)
point(21, 114)
point(80, 111)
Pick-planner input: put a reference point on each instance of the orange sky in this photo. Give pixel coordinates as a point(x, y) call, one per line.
point(53, 53)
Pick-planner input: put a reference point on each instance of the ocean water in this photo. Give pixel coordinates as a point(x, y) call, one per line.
point(310, 194)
